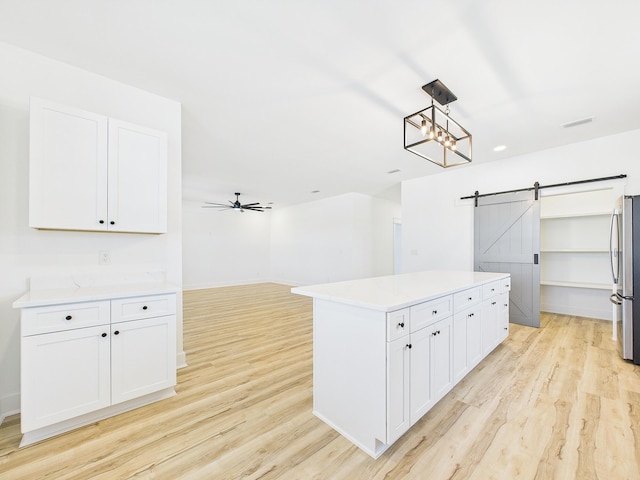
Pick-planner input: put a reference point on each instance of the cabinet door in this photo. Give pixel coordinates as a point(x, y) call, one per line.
point(137, 178)
point(67, 168)
point(474, 338)
point(421, 398)
point(398, 402)
point(143, 357)
point(64, 375)
point(503, 323)
point(440, 358)
point(490, 319)
point(460, 344)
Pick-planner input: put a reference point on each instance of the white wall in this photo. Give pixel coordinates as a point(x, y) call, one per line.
point(224, 247)
point(25, 252)
point(339, 238)
point(437, 227)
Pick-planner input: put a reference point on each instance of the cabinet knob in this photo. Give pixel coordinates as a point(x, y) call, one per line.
point(506, 328)
point(438, 332)
point(112, 222)
point(68, 317)
point(101, 222)
point(433, 334)
point(409, 345)
point(506, 304)
point(145, 307)
point(117, 332)
point(401, 324)
point(435, 312)
point(470, 298)
point(493, 303)
point(103, 335)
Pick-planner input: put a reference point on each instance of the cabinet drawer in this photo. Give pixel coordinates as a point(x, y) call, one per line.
point(466, 298)
point(426, 313)
point(397, 324)
point(490, 289)
point(505, 285)
point(56, 318)
point(125, 309)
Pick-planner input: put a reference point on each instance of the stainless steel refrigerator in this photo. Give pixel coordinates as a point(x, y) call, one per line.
point(625, 234)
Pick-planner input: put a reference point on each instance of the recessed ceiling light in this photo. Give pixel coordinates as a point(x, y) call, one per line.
point(499, 148)
point(394, 170)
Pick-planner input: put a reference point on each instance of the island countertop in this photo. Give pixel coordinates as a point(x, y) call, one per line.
point(393, 292)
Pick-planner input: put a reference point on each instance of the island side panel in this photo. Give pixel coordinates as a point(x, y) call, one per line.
point(349, 372)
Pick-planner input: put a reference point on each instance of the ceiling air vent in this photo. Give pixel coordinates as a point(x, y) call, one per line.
point(575, 123)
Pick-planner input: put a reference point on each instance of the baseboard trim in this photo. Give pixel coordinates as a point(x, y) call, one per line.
point(9, 405)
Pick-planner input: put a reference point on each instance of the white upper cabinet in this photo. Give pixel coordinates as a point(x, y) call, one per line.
point(90, 172)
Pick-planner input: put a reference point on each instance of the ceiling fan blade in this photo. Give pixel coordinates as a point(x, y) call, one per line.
point(250, 204)
point(217, 204)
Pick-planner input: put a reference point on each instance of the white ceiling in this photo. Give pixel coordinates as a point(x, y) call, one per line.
point(283, 97)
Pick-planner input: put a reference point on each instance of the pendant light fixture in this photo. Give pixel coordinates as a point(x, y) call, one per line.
point(435, 136)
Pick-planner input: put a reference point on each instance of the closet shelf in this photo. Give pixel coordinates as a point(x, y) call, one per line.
point(573, 250)
point(593, 286)
point(574, 215)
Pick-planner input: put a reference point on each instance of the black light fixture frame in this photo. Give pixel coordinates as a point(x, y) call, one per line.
point(441, 94)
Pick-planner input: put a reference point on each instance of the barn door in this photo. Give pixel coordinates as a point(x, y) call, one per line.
point(507, 240)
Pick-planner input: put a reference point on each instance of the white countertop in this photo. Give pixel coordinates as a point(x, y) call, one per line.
point(58, 296)
point(393, 292)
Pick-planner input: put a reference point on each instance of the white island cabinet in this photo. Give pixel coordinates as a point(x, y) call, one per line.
point(386, 349)
point(90, 353)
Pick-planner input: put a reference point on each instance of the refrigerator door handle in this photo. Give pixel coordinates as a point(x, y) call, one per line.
point(613, 251)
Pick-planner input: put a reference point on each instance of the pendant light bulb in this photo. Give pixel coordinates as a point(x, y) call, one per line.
point(423, 127)
point(439, 135)
point(447, 141)
point(453, 145)
point(432, 133)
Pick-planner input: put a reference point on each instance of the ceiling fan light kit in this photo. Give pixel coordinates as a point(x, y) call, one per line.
point(254, 207)
point(433, 135)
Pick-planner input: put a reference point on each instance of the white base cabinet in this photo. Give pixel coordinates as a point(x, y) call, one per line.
point(86, 357)
point(377, 373)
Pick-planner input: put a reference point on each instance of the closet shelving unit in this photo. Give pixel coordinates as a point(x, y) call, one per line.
point(575, 275)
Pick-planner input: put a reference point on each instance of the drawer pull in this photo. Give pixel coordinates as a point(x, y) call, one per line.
point(437, 332)
point(401, 324)
point(493, 303)
point(68, 317)
point(103, 335)
point(470, 315)
point(145, 307)
point(117, 332)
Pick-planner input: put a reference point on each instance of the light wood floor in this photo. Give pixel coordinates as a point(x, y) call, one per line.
point(549, 403)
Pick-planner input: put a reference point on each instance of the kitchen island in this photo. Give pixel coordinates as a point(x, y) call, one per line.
point(386, 349)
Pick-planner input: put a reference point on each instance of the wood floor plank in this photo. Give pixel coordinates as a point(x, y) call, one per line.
point(550, 403)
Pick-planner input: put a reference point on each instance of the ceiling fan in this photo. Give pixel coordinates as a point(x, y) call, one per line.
point(254, 207)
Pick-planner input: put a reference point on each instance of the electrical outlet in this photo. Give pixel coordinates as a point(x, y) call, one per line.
point(104, 257)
